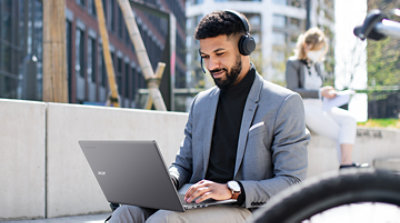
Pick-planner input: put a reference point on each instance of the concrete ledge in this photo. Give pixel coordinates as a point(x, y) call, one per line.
point(22, 159)
point(44, 173)
point(72, 188)
point(371, 144)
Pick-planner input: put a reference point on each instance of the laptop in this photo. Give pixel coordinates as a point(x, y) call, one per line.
point(134, 173)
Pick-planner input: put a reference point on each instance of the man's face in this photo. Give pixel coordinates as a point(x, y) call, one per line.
point(222, 59)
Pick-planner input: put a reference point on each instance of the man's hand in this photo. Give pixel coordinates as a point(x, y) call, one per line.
point(328, 92)
point(206, 189)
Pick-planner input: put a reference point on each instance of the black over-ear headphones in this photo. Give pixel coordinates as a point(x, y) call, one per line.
point(246, 44)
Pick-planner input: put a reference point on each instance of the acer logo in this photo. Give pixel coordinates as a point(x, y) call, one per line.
point(101, 173)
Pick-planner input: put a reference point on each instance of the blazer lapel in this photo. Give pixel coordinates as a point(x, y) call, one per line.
point(248, 115)
point(210, 111)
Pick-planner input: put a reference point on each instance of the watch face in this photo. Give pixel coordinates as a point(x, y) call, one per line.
point(234, 185)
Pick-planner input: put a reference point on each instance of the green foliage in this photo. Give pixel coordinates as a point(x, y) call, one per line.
point(384, 62)
point(384, 55)
point(381, 123)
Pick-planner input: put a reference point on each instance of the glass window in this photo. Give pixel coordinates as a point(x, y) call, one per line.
point(134, 83)
point(81, 2)
point(119, 75)
point(279, 21)
point(68, 27)
point(92, 7)
point(279, 2)
point(6, 56)
point(105, 9)
point(296, 3)
point(121, 23)
point(79, 53)
point(127, 78)
point(102, 66)
point(20, 47)
point(293, 22)
point(91, 60)
point(6, 20)
point(278, 38)
point(112, 15)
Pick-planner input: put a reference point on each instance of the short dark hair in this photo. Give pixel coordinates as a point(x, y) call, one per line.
point(219, 23)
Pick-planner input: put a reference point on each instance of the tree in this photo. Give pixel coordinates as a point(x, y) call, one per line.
point(384, 56)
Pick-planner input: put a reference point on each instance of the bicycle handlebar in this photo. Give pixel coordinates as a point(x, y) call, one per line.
point(389, 28)
point(377, 26)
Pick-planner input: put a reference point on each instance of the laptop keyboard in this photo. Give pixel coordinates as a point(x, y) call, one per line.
point(191, 205)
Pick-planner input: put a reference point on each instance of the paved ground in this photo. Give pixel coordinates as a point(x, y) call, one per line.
point(98, 218)
point(354, 213)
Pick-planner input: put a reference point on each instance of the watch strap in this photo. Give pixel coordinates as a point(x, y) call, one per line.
point(235, 195)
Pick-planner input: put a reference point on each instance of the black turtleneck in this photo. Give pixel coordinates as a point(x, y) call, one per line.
point(226, 129)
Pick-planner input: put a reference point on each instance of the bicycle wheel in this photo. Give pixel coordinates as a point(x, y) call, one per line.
point(313, 196)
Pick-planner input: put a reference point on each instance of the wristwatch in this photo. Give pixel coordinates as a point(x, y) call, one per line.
point(235, 188)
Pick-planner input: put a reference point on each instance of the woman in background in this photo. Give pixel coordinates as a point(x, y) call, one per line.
point(304, 75)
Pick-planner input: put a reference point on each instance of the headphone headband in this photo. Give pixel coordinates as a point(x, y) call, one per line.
point(242, 19)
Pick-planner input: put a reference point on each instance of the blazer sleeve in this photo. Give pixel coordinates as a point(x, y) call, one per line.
point(181, 169)
point(288, 151)
point(295, 81)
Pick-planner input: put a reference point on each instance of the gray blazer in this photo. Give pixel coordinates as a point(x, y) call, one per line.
point(271, 152)
point(295, 78)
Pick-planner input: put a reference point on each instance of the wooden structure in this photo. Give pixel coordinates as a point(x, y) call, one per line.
point(113, 98)
point(55, 80)
point(54, 60)
point(144, 61)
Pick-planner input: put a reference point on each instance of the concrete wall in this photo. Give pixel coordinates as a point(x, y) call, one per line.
point(72, 187)
point(22, 159)
point(372, 144)
point(43, 172)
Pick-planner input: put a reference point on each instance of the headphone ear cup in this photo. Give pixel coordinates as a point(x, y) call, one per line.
point(247, 45)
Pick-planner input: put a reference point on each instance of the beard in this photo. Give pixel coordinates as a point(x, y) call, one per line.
point(231, 76)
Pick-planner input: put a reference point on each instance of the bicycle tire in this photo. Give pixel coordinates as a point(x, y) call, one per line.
point(313, 196)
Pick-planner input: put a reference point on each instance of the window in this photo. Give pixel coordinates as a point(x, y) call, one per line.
point(279, 21)
point(296, 3)
point(119, 75)
point(102, 66)
point(134, 83)
point(278, 38)
point(92, 7)
point(293, 22)
point(127, 80)
point(280, 2)
point(81, 3)
point(79, 53)
point(112, 16)
point(68, 28)
point(121, 24)
point(91, 64)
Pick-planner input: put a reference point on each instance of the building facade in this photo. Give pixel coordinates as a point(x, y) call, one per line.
point(21, 50)
point(275, 25)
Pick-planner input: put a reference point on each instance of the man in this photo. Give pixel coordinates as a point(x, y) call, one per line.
point(244, 139)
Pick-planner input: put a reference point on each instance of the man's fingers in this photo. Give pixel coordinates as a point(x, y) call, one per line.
point(197, 193)
point(204, 197)
point(194, 188)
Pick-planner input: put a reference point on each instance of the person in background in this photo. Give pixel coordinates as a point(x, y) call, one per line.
point(304, 76)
